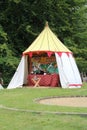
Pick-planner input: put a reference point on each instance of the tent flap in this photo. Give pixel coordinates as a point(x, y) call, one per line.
point(20, 75)
point(68, 71)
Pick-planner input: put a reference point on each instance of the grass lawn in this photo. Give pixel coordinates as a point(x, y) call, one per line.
point(30, 119)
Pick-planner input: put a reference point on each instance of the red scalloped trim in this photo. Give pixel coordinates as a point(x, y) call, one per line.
point(49, 53)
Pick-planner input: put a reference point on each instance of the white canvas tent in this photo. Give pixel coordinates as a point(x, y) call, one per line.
point(47, 42)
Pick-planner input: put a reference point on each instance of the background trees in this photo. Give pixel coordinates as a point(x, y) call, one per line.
point(21, 21)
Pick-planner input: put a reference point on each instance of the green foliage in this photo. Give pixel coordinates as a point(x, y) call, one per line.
point(21, 21)
point(7, 57)
point(81, 57)
point(82, 64)
point(8, 62)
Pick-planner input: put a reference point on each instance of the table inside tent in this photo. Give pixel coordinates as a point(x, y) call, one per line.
point(46, 80)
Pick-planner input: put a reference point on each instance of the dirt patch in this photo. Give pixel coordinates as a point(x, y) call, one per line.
point(65, 101)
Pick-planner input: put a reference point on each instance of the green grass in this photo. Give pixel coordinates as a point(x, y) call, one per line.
point(24, 99)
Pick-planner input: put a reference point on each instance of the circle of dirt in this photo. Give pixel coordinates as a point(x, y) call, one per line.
point(73, 101)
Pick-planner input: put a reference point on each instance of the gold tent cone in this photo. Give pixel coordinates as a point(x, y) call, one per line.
point(47, 41)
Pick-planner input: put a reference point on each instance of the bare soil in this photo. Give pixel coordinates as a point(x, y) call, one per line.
point(66, 101)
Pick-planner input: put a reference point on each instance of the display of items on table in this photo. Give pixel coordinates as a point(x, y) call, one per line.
point(43, 65)
point(52, 68)
point(43, 71)
point(38, 68)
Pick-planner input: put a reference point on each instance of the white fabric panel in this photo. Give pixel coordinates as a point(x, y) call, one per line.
point(1, 87)
point(77, 78)
point(63, 78)
point(68, 71)
point(75, 70)
point(18, 77)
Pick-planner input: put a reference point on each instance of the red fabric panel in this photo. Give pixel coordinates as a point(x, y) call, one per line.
point(46, 80)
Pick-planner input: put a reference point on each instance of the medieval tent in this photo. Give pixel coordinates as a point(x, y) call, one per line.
point(47, 45)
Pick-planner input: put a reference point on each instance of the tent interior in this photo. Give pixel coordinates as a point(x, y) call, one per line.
point(41, 65)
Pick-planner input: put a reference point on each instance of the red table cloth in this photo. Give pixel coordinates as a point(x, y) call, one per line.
point(46, 80)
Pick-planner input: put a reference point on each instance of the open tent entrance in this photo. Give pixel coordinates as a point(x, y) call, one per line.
point(44, 66)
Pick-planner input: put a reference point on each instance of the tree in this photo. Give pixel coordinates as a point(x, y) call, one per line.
point(21, 21)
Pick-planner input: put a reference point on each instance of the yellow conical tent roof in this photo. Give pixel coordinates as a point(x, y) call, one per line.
point(46, 42)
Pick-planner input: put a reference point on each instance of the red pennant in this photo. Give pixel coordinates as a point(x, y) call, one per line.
point(49, 53)
point(59, 53)
point(30, 54)
point(68, 54)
